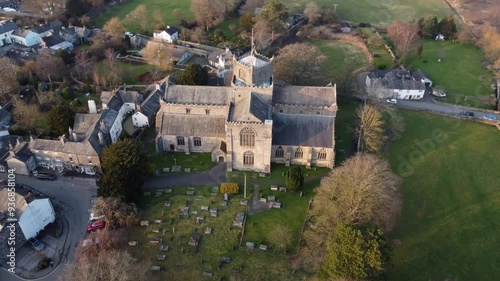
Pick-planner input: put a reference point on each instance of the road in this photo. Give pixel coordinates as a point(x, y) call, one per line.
point(76, 195)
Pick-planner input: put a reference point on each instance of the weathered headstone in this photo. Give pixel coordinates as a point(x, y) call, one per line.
point(263, 200)
point(168, 190)
point(187, 170)
point(223, 203)
point(271, 198)
point(133, 243)
point(274, 187)
point(244, 202)
point(163, 248)
point(282, 189)
point(225, 260)
point(155, 268)
point(190, 192)
point(250, 245)
point(166, 170)
point(155, 240)
point(208, 274)
point(226, 196)
point(160, 257)
point(208, 230)
point(194, 213)
point(276, 205)
point(168, 203)
point(263, 247)
point(204, 208)
point(155, 229)
point(157, 221)
point(144, 223)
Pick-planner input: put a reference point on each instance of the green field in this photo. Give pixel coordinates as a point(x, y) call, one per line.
point(378, 11)
point(459, 71)
point(451, 214)
point(384, 58)
point(130, 72)
point(166, 7)
point(338, 56)
point(223, 241)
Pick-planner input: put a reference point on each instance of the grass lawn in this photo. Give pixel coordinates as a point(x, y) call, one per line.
point(277, 174)
point(344, 130)
point(224, 241)
point(451, 214)
point(291, 216)
point(196, 161)
point(165, 7)
point(224, 26)
point(459, 71)
point(338, 56)
point(41, 122)
point(378, 11)
point(384, 57)
point(131, 72)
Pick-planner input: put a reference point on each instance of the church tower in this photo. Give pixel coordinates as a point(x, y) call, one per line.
point(252, 69)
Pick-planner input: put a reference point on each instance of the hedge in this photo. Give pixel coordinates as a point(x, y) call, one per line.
point(229, 187)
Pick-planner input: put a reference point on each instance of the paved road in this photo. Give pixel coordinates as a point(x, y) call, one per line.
point(75, 194)
point(445, 109)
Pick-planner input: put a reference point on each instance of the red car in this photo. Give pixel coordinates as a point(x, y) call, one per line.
point(96, 225)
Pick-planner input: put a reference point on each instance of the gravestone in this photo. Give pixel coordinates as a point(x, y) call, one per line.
point(215, 189)
point(168, 190)
point(208, 230)
point(250, 245)
point(282, 189)
point(190, 192)
point(208, 274)
point(187, 202)
point(244, 202)
point(263, 200)
point(155, 240)
point(157, 221)
point(185, 211)
point(263, 247)
point(187, 170)
point(262, 175)
point(204, 208)
point(166, 170)
point(147, 193)
point(271, 198)
point(276, 205)
point(160, 257)
point(214, 194)
point(133, 243)
point(144, 223)
point(226, 196)
point(168, 203)
point(163, 248)
point(176, 169)
point(155, 268)
point(155, 230)
point(194, 213)
point(274, 187)
point(225, 260)
point(223, 203)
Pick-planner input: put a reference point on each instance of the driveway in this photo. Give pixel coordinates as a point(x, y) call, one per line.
point(75, 194)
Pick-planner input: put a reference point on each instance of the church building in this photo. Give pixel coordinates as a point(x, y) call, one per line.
point(252, 123)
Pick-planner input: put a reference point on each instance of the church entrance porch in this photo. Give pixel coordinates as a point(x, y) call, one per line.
point(221, 159)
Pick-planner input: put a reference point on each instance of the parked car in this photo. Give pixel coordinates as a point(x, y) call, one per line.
point(489, 117)
point(46, 176)
point(393, 101)
point(36, 244)
point(96, 225)
point(467, 113)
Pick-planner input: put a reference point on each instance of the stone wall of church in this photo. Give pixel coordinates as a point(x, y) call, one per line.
point(242, 72)
point(261, 150)
point(207, 144)
point(308, 110)
point(309, 156)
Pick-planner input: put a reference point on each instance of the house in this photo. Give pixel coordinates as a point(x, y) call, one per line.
point(32, 214)
point(5, 118)
point(146, 113)
point(400, 83)
point(56, 42)
point(83, 33)
point(221, 59)
point(91, 133)
point(168, 35)
point(6, 29)
point(6, 143)
point(20, 158)
point(345, 27)
point(69, 35)
point(439, 37)
point(252, 123)
point(21, 55)
point(180, 56)
point(25, 37)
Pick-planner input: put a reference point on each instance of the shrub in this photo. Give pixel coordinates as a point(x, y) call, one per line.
point(44, 263)
point(67, 93)
point(294, 179)
point(229, 187)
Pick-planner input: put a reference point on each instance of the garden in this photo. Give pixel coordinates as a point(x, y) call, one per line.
point(449, 226)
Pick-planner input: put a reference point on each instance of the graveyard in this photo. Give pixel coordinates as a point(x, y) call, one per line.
point(193, 233)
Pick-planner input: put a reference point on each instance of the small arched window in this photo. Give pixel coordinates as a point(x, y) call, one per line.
point(248, 158)
point(322, 154)
point(299, 153)
point(280, 152)
point(247, 137)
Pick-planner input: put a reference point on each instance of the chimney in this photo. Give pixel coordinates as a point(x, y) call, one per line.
point(18, 142)
point(138, 107)
point(31, 138)
point(63, 139)
point(101, 137)
point(70, 131)
point(11, 150)
point(75, 137)
point(103, 125)
point(92, 106)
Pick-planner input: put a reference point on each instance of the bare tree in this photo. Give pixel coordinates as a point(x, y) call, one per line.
point(45, 9)
point(404, 36)
point(262, 34)
point(208, 13)
point(250, 5)
point(85, 20)
point(370, 128)
point(96, 3)
point(138, 17)
point(198, 35)
point(84, 65)
point(313, 13)
point(25, 114)
point(108, 265)
point(49, 67)
point(299, 63)
point(158, 54)
point(117, 213)
point(113, 72)
point(114, 25)
point(490, 43)
point(8, 78)
point(98, 241)
point(159, 20)
point(363, 189)
point(280, 237)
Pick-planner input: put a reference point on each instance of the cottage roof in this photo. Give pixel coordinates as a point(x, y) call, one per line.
point(177, 53)
point(5, 142)
point(152, 103)
point(171, 30)
point(22, 152)
point(82, 32)
point(7, 26)
point(84, 121)
point(82, 147)
point(52, 40)
point(41, 28)
point(20, 32)
point(182, 94)
point(303, 130)
point(193, 125)
point(308, 96)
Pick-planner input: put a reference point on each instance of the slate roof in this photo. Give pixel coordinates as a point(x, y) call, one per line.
point(251, 108)
point(303, 130)
point(20, 203)
point(83, 122)
point(171, 30)
point(52, 40)
point(254, 59)
point(4, 114)
point(7, 26)
point(151, 105)
point(41, 28)
point(193, 125)
point(182, 94)
point(400, 79)
point(4, 147)
point(20, 32)
point(299, 95)
point(82, 147)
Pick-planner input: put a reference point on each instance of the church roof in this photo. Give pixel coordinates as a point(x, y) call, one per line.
point(300, 95)
point(303, 130)
point(251, 108)
point(193, 125)
point(182, 94)
point(253, 61)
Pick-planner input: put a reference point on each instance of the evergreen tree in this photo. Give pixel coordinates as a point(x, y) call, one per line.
point(429, 27)
point(194, 74)
point(447, 27)
point(124, 166)
point(294, 179)
point(60, 118)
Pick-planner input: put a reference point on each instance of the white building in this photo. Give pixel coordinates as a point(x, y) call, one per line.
point(25, 37)
point(168, 35)
point(33, 215)
point(400, 84)
point(146, 111)
point(6, 29)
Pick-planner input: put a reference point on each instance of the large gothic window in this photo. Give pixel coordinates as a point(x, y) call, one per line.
point(299, 153)
point(180, 141)
point(248, 158)
point(322, 154)
point(279, 152)
point(247, 137)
